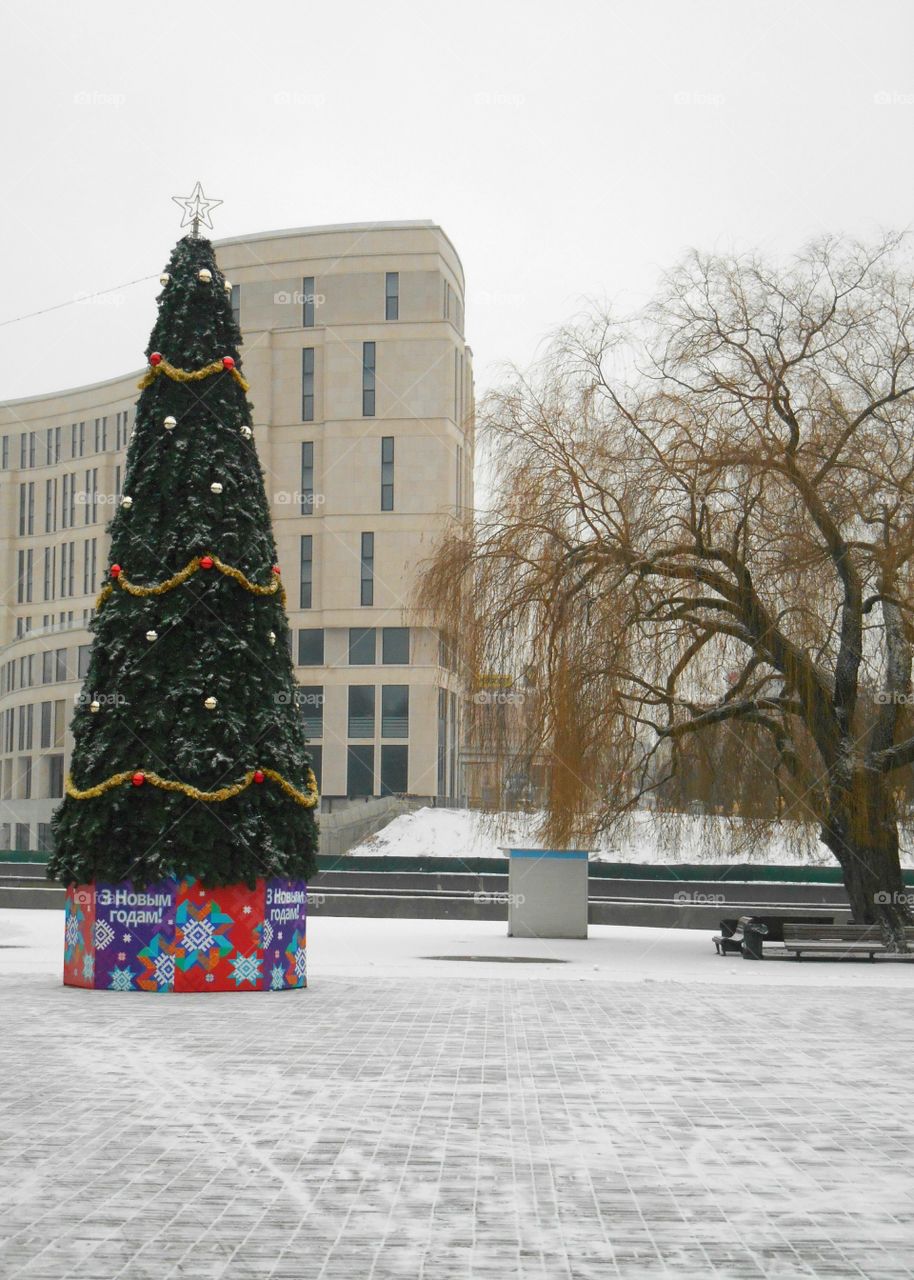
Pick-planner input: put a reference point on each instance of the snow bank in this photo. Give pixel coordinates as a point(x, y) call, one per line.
point(644, 838)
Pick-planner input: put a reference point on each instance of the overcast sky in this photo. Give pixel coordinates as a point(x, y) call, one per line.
point(569, 149)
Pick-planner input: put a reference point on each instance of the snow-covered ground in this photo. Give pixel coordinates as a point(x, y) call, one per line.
point(645, 838)
point(353, 947)
point(645, 1109)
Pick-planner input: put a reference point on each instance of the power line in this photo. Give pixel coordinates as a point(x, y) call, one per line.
point(74, 301)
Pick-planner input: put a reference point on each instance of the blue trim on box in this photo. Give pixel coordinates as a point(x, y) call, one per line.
point(569, 855)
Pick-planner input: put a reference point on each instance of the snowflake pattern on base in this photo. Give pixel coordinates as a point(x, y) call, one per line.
point(122, 980)
point(246, 969)
point(104, 935)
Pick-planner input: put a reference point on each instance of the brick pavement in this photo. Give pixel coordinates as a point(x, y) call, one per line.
point(373, 1128)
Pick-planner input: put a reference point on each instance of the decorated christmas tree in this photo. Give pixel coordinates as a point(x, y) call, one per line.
point(189, 756)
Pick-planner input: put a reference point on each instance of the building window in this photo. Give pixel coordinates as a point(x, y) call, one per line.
point(50, 564)
point(362, 646)
point(77, 439)
point(307, 478)
point(45, 841)
point(359, 771)
point(89, 565)
point(387, 473)
point(395, 711)
point(82, 660)
point(26, 508)
point(310, 699)
point(5, 453)
point(90, 497)
point(24, 582)
point(26, 726)
point(395, 646)
point(307, 384)
point(120, 429)
point(307, 302)
point(361, 710)
point(67, 559)
point(306, 578)
point(366, 596)
point(101, 435)
point(311, 647)
point(24, 832)
point(50, 506)
point(52, 446)
point(60, 665)
point(54, 777)
point(236, 304)
point(394, 770)
point(68, 506)
point(368, 379)
point(392, 296)
point(317, 760)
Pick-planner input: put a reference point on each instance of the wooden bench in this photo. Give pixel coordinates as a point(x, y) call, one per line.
point(730, 938)
point(841, 940)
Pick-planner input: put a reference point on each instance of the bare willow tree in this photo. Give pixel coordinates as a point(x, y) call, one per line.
point(705, 518)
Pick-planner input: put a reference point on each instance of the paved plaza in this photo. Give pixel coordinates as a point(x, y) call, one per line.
point(642, 1109)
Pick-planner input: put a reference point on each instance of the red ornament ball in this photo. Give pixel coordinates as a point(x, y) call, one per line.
point(155, 358)
point(259, 775)
point(206, 562)
point(276, 569)
point(138, 779)
point(228, 362)
point(115, 571)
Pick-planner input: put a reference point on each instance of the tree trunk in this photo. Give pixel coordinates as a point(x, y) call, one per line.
point(862, 833)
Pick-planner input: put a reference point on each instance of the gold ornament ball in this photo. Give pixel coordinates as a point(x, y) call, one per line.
point(164, 278)
point(152, 635)
point(95, 706)
point(204, 275)
point(210, 703)
point(215, 487)
point(126, 502)
point(170, 423)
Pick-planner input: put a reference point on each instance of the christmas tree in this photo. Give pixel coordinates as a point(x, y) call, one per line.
point(190, 756)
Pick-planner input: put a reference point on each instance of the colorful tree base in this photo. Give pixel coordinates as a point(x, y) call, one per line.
point(178, 936)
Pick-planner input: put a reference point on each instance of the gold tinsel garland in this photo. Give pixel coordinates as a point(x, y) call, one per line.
point(182, 375)
point(188, 571)
point(307, 799)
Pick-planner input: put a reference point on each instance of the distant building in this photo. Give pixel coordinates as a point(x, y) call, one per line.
point(363, 400)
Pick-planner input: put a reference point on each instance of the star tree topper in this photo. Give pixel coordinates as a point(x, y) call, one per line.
point(196, 209)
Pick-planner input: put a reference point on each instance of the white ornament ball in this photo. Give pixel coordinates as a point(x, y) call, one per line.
point(227, 286)
point(204, 275)
point(272, 637)
point(95, 706)
point(170, 423)
point(210, 703)
point(215, 487)
point(247, 432)
point(164, 278)
point(126, 502)
point(152, 635)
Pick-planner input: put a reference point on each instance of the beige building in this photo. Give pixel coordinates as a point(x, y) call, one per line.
point(362, 388)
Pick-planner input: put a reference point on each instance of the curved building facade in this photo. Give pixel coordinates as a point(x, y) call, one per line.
point(362, 387)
